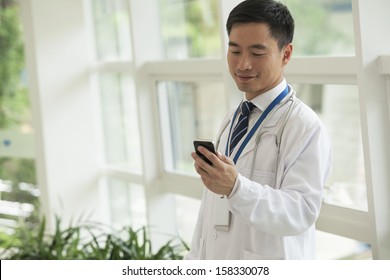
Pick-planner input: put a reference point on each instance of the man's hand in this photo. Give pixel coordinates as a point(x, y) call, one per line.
point(219, 177)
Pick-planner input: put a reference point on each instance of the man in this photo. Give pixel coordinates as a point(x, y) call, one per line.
point(263, 191)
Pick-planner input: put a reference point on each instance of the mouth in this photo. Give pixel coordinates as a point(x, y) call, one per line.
point(245, 78)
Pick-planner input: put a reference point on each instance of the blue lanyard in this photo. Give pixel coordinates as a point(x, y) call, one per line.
point(275, 102)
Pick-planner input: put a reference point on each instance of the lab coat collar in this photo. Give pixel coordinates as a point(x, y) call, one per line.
point(269, 123)
point(263, 100)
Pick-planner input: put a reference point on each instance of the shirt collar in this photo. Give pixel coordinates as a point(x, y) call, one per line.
point(263, 100)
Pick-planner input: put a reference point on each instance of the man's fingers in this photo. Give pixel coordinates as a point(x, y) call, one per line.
point(209, 155)
point(225, 159)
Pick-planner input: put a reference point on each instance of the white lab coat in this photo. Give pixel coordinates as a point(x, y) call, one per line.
point(274, 208)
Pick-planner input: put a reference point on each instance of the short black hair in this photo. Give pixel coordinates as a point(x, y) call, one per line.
point(275, 14)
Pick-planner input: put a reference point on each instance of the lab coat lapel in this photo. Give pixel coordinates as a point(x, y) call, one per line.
point(269, 124)
point(249, 147)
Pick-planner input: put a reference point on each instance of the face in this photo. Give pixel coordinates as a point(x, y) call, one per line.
point(255, 61)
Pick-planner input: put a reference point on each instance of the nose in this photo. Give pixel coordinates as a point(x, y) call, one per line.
point(244, 63)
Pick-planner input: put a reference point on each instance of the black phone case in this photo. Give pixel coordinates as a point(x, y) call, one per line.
point(209, 145)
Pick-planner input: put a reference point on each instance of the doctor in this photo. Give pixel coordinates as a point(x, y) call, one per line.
point(264, 188)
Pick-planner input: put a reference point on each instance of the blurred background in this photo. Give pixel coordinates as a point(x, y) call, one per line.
point(100, 101)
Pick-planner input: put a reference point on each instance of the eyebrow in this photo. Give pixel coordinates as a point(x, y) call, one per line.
point(256, 46)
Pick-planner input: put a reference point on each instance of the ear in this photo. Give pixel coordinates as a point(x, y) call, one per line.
point(287, 53)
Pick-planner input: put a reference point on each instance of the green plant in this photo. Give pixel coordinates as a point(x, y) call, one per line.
point(86, 242)
point(14, 101)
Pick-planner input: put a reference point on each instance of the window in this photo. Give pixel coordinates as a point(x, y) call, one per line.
point(127, 204)
point(112, 29)
point(188, 111)
point(19, 193)
point(186, 216)
point(338, 107)
point(114, 83)
point(335, 247)
point(322, 27)
point(118, 103)
point(120, 121)
point(190, 29)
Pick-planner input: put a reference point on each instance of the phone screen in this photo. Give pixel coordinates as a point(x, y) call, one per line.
point(209, 145)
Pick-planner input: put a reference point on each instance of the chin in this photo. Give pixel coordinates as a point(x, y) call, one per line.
point(244, 87)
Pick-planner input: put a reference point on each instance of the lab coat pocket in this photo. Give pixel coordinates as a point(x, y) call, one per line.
point(266, 153)
point(248, 255)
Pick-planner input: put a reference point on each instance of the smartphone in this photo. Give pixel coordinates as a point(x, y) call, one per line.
point(208, 144)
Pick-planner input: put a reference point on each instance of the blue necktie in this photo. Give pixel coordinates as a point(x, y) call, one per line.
point(242, 124)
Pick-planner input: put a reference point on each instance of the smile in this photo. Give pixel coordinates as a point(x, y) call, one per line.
point(245, 78)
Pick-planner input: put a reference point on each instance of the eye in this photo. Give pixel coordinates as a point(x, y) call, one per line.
point(258, 54)
point(234, 52)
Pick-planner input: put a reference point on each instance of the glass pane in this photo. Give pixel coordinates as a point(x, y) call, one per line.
point(188, 111)
point(322, 27)
point(112, 29)
point(120, 121)
point(19, 194)
point(338, 107)
point(335, 247)
point(127, 204)
point(186, 215)
point(190, 29)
